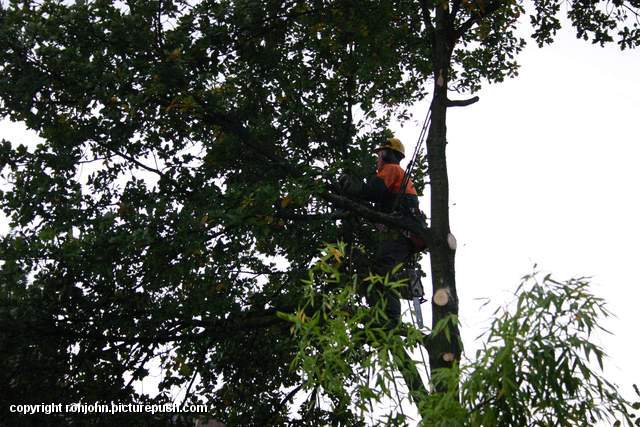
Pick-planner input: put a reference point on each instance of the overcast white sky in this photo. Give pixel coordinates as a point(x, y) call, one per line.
point(544, 169)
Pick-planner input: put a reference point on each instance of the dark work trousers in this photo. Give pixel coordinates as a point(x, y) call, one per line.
point(389, 254)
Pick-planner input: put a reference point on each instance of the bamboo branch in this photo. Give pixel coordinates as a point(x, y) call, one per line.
point(411, 376)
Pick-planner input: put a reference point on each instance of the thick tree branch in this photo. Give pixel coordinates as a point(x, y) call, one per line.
point(394, 221)
point(462, 102)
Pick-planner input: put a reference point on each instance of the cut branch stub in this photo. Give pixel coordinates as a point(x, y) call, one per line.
point(442, 296)
point(452, 242)
point(448, 357)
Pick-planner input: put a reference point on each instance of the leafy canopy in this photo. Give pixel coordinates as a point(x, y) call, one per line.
point(185, 145)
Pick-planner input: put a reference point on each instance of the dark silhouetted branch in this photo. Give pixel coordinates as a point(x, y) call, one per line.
point(462, 102)
point(394, 221)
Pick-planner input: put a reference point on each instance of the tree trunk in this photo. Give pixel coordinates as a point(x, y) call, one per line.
point(445, 349)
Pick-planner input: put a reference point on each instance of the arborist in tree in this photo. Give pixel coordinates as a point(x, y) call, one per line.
point(390, 193)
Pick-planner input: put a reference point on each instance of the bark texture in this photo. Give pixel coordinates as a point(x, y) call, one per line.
point(443, 352)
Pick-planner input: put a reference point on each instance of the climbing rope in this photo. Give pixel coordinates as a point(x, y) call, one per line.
point(403, 186)
point(421, 139)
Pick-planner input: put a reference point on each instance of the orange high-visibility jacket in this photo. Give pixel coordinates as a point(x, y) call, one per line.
point(384, 188)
